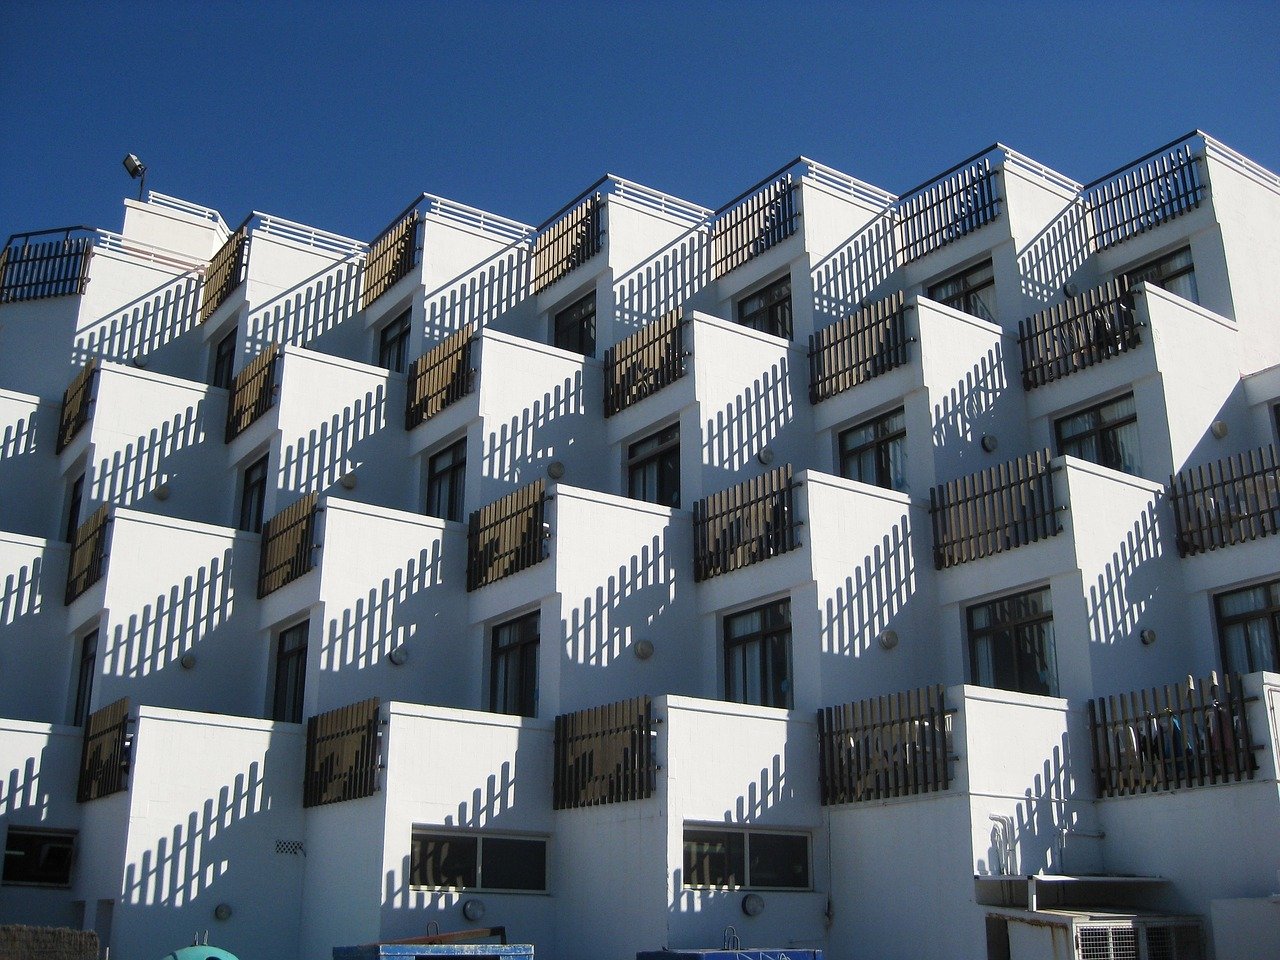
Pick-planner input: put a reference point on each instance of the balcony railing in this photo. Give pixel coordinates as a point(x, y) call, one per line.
point(506, 536)
point(1087, 329)
point(745, 524)
point(34, 269)
point(77, 405)
point(343, 755)
point(253, 392)
point(753, 222)
point(392, 255)
point(995, 510)
point(105, 752)
point(288, 545)
point(957, 203)
point(1159, 187)
point(1185, 735)
point(569, 239)
point(1232, 501)
point(891, 746)
point(651, 358)
point(227, 270)
point(871, 342)
point(441, 376)
point(605, 755)
point(88, 554)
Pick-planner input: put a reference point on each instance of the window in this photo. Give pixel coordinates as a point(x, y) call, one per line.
point(463, 861)
point(875, 452)
point(253, 494)
point(575, 326)
point(291, 673)
point(757, 655)
point(1011, 644)
point(224, 361)
point(393, 343)
point(1105, 434)
point(446, 472)
point(73, 509)
point(38, 858)
point(1249, 628)
point(653, 467)
point(970, 291)
point(85, 670)
point(1173, 272)
point(768, 310)
point(513, 677)
point(745, 858)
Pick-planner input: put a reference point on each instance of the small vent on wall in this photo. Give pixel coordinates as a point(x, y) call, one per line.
point(291, 847)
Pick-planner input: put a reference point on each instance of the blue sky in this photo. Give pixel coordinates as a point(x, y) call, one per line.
point(338, 114)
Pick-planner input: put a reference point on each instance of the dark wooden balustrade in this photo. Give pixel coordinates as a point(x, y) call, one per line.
point(441, 376)
point(605, 755)
point(957, 203)
point(77, 404)
point(88, 559)
point(105, 752)
point(568, 241)
point(851, 351)
point(36, 269)
point(1159, 187)
point(748, 226)
point(226, 271)
point(747, 523)
point(253, 392)
point(651, 358)
point(506, 536)
point(288, 545)
point(343, 754)
point(1232, 501)
point(1084, 330)
point(392, 255)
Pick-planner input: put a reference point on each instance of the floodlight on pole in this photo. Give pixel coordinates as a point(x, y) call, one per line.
point(137, 170)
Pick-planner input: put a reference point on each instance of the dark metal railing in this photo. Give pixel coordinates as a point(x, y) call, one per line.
point(651, 358)
point(343, 754)
point(851, 351)
point(1155, 189)
point(88, 559)
point(105, 752)
point(994, 510)
point(954, 204)
point(1232, 501)
point(605, 755)
point(227, 270)
point(253, 392)
point(569, 239)
point(77, 404)
point(1087, 329)
point(1186, 735)
point(392, 254)
point(50, 268)
point(747, 523)
point(288, 545)
point(506, 536)
point(890, 746)
point(754, 221)
point(440, 377)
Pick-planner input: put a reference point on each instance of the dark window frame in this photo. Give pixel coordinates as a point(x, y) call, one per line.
point(967, 297)
point(223, 369)
point(86, 672)
point(74, 500)
point(393, 341)
point(573, 327)
point(9, 866)
point(664, 456)
point(774, 313)
point(512, 645)
point(775, 691)
point(1269, 614)
point(700, 833)
point(1161, 272)
point(880, 445)
point(1103, 432)
point(448, 480)
point(477, 866)
point(996, 628)
point(253, 495)
point(290, 662)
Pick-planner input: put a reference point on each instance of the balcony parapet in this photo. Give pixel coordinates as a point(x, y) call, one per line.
point(651, 358)
point(106, 752)
point(1234, 500)
point(957, 202)
point(605, 755)
point(88, 559)
point(253, 392)
point(440, 377)
point(745, 524)
point(343, 754)
point(870, 342)
point(289, 544)
point(77, 405)
point(507, 536)
point(1078, 333)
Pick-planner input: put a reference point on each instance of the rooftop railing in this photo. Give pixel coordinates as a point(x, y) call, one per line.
point(1232, 501)
point(745, 524)
point(105, 752)
point(343, 754)
point(32, 268)
point(88, 554)
point(507, 536)
point(77, 405)
point(755, 221)
point(253, 392)
point(1082, 331)
point(288, 545)
point(651, 358)
point(605, 755)
point(946, 208)
point(440, 377)
point(1156, 188)
point(851, 351)
point(186, 206)
point(997, 509)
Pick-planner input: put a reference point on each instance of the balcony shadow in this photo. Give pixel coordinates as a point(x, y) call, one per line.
point(170, 452)
point(662, 283)
point(868, 602)
point(309, 312)
point(1055, 255)
point(749, 422)
point(854, 271)
point(479, 295)
point(27, 790)
point(144, 326)
point(23, 593)
point(19, 439)
point(971, 408)
point(520, 449)
point(316, 464)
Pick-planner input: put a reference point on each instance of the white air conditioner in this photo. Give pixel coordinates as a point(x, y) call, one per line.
point(1094, 935)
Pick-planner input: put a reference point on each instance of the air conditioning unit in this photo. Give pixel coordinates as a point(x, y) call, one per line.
point(1094, 935)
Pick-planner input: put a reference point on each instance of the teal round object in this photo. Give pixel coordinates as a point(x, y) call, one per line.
point(200, 953)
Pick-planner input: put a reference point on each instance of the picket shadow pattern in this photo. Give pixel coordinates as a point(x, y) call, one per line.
point(1087, 329)
point(227, 270)
point(343, 754)
point(77, 405)
point(959, 202)
point(651, 358)
point(288, 545)
point(568, 242)
point(605, 755)
point(745, 524)
point(105, 752)
point(994, 510)
point(882, 747)
point(506, 536)
point(1161, 186)
point(1235, 500)
point(750, 225)
point(441, 376)
point(392, 256)
point(253, 392)
point(851, 351)
point(1181, 735)
point(88, 559)
point(49, 268)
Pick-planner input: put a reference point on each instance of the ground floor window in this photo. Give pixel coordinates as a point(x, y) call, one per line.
point(478, 861)
point(731, 859)
point(1249, 628)
point(38, 858)
point(513, 676)
point(1011, 643)
point(757, 655)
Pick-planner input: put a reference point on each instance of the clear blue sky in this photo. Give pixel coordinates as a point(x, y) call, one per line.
point(338, 114)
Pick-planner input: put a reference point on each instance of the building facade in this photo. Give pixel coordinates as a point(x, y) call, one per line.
point(894, 575)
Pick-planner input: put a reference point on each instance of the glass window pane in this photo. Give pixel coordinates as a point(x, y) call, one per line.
point(443, 861)
point(778, 860)
point(508, 863)
point(713, 858)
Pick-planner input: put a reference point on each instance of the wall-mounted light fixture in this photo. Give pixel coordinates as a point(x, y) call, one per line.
point(348, 480)
point(399, 656)
point(473, 909)
point(643, 649)
point(555, 469)
point(753, 904)
point(989, 443)
point(222, 911)
point(161, 492)
point(889, 639)
point(138, 170)
point(1069, 289)
point(765, 456)
point(1219, 429)
point(1148, 637)
point(188, 660)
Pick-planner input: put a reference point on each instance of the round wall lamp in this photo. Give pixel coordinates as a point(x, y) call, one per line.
point(889, 639)
point(139, 360)
point(1148, 637)
point(555, 469)
point(765, 456)
point(989, 443)
point(753, 904)
point(399, 656)
point(348, 481)
point(1219, 429)
point(222, 911)
point(473, 909)
point(161, 492)
point(643, 649)
point(188, 660)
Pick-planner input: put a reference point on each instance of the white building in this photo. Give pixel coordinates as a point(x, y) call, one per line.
point(885, 531)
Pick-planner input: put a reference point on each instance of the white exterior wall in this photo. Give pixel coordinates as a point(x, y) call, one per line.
point(28, 435)
point(35, 647)
point(196, 232)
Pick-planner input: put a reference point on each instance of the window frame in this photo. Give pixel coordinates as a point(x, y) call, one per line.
point(667, 439)
point(452, 477)
point(525, 694)
point(1158, 263)
point(75, 499)
point(1102, 433)
point(880, 445)
point(764, 655)
point(973, 634)
point(775, 316)
point(966, 298)
point(1269, 613)
point(222, 369)
point(479, 836)
point(575, 333)
point(258, 491)
point(86, 673)
point(71, 836)
point(746, 834)
point(295, 658)
point(396, 346)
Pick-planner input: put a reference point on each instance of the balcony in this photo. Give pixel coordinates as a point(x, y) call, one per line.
point(106, 752)
point(392, 255)
point(35, 269)
point(650, 359)
point(88, 554)
point(871, 342)
point(343, 754)
point(77, 405)
point(1077, 334)
point(605, 755)
point(253, 392)
point(946, 208)
point(227, 270)
point(440, 377)
point(569, 238)
point(747, 523)
point(288, 545)
point(1157, 188)
point(757, 219)
point(506, 536)
point(1232, 501)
